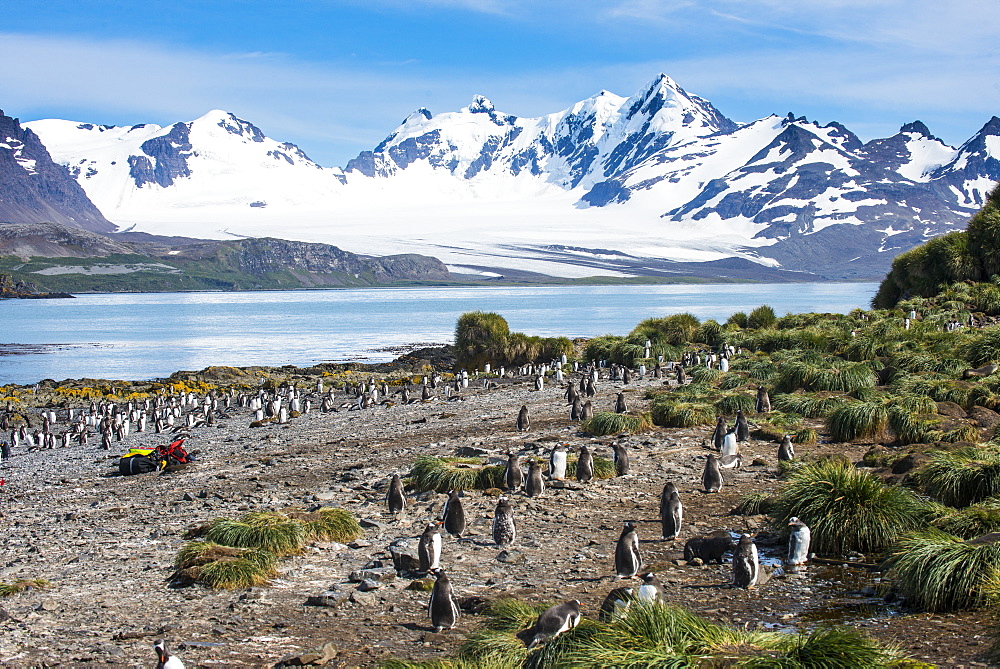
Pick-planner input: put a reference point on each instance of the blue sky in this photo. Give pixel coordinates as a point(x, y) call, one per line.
point(336, 76)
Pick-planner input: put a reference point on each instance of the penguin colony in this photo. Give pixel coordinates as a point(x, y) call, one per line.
point(173, 414)
point(747, 572)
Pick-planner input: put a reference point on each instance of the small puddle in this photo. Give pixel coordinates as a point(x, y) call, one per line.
point(844, 594)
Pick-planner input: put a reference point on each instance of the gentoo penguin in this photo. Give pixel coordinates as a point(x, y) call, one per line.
point(731, 461)
point(523, 422)
point(742, 427)
point(576, 411)
point(681, 376)
point(571, 394)
point(584, 465)
point(443, 607)
point(513, 477)
point(711, 478)
point(396, 497)
point(620, 456)
point(534, 485)
point(539, 382)
point(557, 463)
point(763, 404)
point(620, 405)
point(588, 411)
point(746, 568)
point(626, 379)
point(164, 659)
point(429, 548)
point(798, 543)
point(454, 515)
point(627, 560)
point(555, 620)
point(786, 452)
point(671, 511)
point(591, 388)
point(650, 590)
point(729, 446)
point(504, 532)
point(719, 436)
point(617, 603)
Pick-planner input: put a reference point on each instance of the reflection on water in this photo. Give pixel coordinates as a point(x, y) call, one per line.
point(145, 336)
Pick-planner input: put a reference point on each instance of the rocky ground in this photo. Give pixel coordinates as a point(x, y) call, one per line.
point(106, 543)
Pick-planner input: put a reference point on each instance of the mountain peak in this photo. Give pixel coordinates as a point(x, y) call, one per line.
point(419, 115)
point(480, 105)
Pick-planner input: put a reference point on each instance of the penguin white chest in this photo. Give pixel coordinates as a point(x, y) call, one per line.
point(729, 446)
point(557, 465)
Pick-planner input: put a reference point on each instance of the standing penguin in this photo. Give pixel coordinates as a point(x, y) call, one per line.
point(396, 497)
point(555, 620)
point(591, 388)
point(729, 445)
point(798, 543)
point(504, 532)
point(534, 485)
point(671, 511)
point(763, 401)
point(711, 478)
point(620, 405)
point(557, 464)
point(786, 452)
point(719, 436)
point(620, 456)
point(627, 560)
point(576, 411)
point(429, 548)
point(454, 515)
point(164, 660)
point(742, 427)
point(513, 476)
point(443, 607)
point(617, 603)
point(681, 376)
point(588, 411)
point(584, 465)
point(650, 590)
point(523, 422)
point(746, 567)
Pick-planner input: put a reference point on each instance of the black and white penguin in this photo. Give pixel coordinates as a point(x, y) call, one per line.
point(164, 660)
point(746, 567)
point(731, 461)
point(620, 405)
point(454, 515)
point(539, 382)
point(555, 620)
point(429, 548)
point(681, 376)
point(557, 464)
point(671, 511)
point(711, 478)
point(576, 411)
point(396, 497)
point(513, 476)
point(719, 436)
point(534, 485)
point(620, 456)
point(617, 603)
point(504, 531)
point(627, 559)
point(584, 465)
point(588, 411)
point(571, 394)
point(523, 422)
point(763, 404)
point(729, 444)
point(742, 427)
point(650, 591)
point(786, 452)
point(443, 608)
point(798, 543)
point(591, 388)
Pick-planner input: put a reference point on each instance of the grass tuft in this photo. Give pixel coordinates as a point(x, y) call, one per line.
point(607, 422)
point(329, 524)
point(19, 586)
point(444, 474)
point(266, 530)
point(963, 476)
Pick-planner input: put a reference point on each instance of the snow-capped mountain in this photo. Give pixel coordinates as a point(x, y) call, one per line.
point(639, 185)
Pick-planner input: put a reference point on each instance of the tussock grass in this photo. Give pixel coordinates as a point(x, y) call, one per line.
point(608, 422)
point(937, 571)
point(970, 522)
point(835, 375)
point(604, 468)
point(233, 574)
point(225, 567)
point(830, 648)
point(858, 420)
point(266, 530)
point(963, 476)
point(19, 586)
point(444, 474)
point(847, 509)
point(329, 524)
point(730, 403)
point(753, 504)
point(668, 413)
point(810, 405)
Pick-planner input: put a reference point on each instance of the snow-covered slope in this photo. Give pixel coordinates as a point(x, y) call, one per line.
point(609, 185)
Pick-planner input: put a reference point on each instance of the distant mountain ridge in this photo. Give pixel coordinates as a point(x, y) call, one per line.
point(611, 185)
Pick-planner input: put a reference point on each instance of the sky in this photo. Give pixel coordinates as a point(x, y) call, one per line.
point(336, 76)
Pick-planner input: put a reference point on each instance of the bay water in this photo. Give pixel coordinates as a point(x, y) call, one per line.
point(133, 336)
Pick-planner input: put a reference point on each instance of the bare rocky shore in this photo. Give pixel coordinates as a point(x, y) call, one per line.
point(106, 543)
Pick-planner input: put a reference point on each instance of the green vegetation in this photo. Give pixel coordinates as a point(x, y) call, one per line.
point(21, 585)
point(482, 337)
point(444, 474)
point(963, 476)
point(607, 422)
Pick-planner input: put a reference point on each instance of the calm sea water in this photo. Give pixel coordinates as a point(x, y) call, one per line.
point(145, 336)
